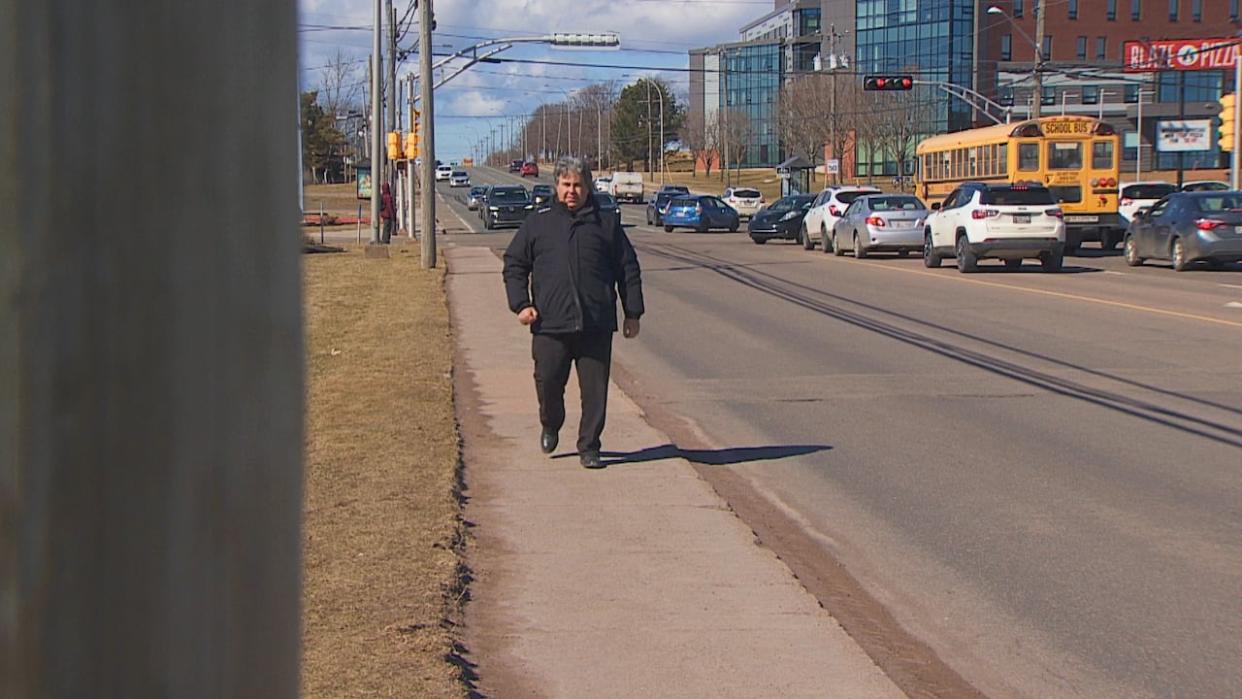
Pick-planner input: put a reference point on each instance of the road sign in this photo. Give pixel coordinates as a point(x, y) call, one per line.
point(1175, 136)
point(832, 166)
point(1179, 54)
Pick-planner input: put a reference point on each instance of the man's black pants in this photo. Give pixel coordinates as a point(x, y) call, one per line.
point(592, 353)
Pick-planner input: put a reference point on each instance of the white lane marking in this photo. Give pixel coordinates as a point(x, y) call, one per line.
point(444, 201)
point(1109, 271)
point(1232, 286)
point(1233, 304)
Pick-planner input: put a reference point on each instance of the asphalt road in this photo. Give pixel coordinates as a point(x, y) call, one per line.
point(1038, 475)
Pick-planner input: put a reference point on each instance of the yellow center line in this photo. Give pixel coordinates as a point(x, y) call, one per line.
point(1063, 295)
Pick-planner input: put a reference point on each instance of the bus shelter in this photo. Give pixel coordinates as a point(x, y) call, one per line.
point(795, 174)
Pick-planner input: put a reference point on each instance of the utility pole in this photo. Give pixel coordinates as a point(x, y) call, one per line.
point(650, 154)
point(392, 122)
point(428, 140)
point(410, 174)
point(377, 124)
point(1040, 59)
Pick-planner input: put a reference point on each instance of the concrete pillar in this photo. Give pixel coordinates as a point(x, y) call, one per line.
point(151, 349)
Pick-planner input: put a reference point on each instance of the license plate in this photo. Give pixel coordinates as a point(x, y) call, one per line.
point(901, 222)
point(1082, 219)
point(1021, 218)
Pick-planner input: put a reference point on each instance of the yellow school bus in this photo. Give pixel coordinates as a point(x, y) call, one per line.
point(1075, 157)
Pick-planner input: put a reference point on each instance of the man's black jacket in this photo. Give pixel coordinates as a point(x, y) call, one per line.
point(574, 264)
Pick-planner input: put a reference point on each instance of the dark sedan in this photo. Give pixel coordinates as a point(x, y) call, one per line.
point(542, 194)
point(783, 219)
point(1187, 227)
point(505, 205)
point(608, 207)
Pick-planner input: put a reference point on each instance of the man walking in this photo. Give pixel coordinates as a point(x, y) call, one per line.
point(577, 263)
point(388, 214)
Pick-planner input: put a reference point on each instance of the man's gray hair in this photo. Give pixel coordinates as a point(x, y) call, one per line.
point(569, 164)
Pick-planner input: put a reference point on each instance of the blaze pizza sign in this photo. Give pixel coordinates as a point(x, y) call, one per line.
point(1179, 54)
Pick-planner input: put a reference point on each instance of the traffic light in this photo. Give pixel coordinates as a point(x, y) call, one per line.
point(411, 146)
point(1227, 115)
point(888, 82)
point(394, 145)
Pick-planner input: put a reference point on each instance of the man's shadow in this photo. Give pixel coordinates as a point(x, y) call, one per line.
point(708, 457)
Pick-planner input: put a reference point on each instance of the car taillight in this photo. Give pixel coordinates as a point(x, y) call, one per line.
point(1126, 201)
point(984, 213)
point(698, 208)
point(832, 209)
point(1053, 212)
point(761, 202)
point(1207, 224)
point(876, 221)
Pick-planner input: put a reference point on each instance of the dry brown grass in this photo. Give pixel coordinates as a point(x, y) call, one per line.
point(382, 524)
point(337, 199)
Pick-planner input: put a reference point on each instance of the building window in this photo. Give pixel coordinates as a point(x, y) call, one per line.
point(1006, 96)
point(1173, 7)
point(1112, 10)
point(1196, 10)
point(1006, 47)
point(1130, 145)
point(1017, 8)
point(1136, 10)
point(1101, 48)
point(1073, 9)
point(1082, 47)
point(1233, 10)
point(1132, 94)
point(1047, 48)
point(1048, 97)
point(1091, 94)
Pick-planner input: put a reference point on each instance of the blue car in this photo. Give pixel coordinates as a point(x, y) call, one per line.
point(702, 213)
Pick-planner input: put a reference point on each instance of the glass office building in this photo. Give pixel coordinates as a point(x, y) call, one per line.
point(751, 84)
point(931, 39)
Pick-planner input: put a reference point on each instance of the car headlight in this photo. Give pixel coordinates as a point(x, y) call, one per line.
point(493, 208)
point(530, 206)
point(790, 216)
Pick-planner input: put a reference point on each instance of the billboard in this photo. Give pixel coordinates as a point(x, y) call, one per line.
point(1179, 54)
point(364, 181)
point(1182, 136)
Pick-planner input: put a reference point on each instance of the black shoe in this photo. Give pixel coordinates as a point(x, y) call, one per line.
point(548, 441)
point(590, 459)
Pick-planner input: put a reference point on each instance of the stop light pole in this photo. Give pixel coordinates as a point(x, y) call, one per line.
point(428, 137)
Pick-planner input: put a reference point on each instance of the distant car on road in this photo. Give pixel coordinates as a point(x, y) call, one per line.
point(608, 207)
point(515, 166)
point(702, 213)
point(541, 194)
point(530, 169)
point(880, 222)
point(443, 173)
point(627, 186)
point(1188, 227)
point(1141, 195)
point(783, 219)
point(1009, 222)
point(828, 207)
point(460, 179)
point(1205, 186)
point(744, 200)
point(474, 197)
point(505, 205)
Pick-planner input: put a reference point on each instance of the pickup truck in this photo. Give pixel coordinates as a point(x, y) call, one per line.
point(627, 186)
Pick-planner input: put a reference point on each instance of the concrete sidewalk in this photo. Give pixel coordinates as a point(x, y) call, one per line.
point(636, 580)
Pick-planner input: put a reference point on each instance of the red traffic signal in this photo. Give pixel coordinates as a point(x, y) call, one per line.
point(888, 82)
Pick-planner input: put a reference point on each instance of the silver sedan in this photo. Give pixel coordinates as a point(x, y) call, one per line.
point(881, 222)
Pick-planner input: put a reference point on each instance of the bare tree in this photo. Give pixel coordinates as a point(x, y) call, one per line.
point(804, 116)
point(899, 125)
point(339, 95)
point(694, 138)
point(736, 131)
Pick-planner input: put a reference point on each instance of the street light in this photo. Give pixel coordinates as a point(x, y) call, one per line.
point(1040, 58)
point(661, 91)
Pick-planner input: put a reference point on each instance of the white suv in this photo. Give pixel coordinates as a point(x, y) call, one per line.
point(1008, 222)
point(825, 211)
point(745, 201)
point(444, 172)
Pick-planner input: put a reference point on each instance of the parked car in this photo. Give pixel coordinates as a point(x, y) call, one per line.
point(880, 222)
point(783, 219)
point(744, 200)
point(443, 172)
point(702, 213)
point(627, 186)
point(827, 208)
point(515, 166)
point(474, 197)
point(608, 207)
point(1139, 195)
point(602, 183)
point(541, 194)
point(460, 179)
point(530, 169)
point(1187, 227)
point(1205, 186)
point(506, 205)
point(1010, 222)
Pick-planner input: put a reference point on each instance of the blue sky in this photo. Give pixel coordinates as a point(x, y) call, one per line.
point(655, 34)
